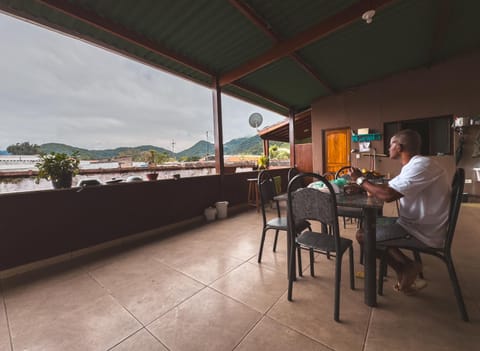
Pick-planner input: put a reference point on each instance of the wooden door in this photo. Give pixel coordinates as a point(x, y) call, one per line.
point(336, 149)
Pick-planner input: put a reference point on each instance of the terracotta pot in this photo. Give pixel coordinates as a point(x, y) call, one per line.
point(152, 176)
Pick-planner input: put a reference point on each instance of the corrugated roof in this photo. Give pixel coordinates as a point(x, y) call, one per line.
point(280, 54)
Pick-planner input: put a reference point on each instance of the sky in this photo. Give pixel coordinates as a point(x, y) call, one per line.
point(54, 88)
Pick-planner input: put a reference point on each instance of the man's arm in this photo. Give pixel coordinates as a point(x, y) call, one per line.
point(380, 191)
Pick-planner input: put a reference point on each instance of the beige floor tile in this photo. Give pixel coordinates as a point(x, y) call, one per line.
point(311, 312)
point(72, 314)
point(269, 335)
point(4, 333)
point(141, 341)
point(203, 266)
point(146, 287)
point(253, 285)
point(208, 321)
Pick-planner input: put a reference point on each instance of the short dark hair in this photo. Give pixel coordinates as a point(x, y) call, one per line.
point(410, 141)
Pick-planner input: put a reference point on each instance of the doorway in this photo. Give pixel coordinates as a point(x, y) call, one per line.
point(336, 149)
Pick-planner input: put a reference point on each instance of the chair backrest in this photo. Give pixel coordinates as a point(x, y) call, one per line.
point(267, 191)
point(455, 202)
point(343, 172)
point(292, 172)
point(311, 204)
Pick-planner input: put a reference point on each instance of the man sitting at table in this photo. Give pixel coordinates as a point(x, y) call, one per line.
point(423, 190)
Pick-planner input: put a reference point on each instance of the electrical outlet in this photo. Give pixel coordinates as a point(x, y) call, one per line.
point(468, 181)
point(357, 156)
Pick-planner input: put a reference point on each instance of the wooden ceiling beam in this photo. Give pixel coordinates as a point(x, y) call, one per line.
point(104, 24)
point(260, 23)
point(309, 36)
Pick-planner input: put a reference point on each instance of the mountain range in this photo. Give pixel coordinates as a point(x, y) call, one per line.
point(241, 146)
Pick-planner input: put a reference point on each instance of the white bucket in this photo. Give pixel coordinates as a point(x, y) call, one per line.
point(221, 209)
point(210, 213)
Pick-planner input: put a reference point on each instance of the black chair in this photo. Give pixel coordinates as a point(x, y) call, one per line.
point(266, 188)
point(443, 253)
point(308, 204)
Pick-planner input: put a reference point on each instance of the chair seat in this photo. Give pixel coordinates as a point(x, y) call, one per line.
point(282, 224)
point(349, 212)
point(322, 241)
point(409, 244)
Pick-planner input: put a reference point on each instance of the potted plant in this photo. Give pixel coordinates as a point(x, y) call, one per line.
point(263, 162)
point(59, 168)
point(151, 158)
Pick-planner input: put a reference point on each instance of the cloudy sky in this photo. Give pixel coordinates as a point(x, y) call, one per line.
point(57, 89)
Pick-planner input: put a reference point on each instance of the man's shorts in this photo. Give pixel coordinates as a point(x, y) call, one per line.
point(389, 229)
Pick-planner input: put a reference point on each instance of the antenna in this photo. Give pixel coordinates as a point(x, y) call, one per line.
point(255, 120)
point(173, 147)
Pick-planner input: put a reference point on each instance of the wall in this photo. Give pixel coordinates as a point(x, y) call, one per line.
point(447, 88)
point(42, 224)
point(471, 134)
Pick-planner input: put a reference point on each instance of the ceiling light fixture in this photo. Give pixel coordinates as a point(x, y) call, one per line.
point(368, 16)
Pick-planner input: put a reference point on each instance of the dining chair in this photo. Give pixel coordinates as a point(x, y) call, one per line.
point(443, 253)
point(309, 204)
point(267, 190)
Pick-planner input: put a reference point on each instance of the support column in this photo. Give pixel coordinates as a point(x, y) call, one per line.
point(266, 147)
point(291, 137)
point(217, 127)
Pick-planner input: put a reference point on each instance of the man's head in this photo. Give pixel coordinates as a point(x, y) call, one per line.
point(406, 141)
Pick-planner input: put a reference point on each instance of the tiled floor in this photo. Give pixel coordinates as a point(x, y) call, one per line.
point(203, 290)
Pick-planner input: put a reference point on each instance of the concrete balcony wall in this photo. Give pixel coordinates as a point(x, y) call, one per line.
point(44, 224)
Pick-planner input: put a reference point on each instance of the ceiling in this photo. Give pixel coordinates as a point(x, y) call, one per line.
point(279, 54)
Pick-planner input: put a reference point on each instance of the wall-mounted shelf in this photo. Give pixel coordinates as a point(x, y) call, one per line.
point(366, 137)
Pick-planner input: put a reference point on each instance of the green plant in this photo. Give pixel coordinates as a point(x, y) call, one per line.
point(263, 162)
point(151, 157)
point(57, 166)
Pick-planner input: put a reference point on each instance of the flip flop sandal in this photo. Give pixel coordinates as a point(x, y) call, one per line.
point(417, 285)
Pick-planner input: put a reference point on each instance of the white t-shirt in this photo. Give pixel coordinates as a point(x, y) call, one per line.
point(424, 207)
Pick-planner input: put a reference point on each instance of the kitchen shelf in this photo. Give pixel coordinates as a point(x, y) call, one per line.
point(366, 137)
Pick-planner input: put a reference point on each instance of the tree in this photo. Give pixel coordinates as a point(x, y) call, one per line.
point(24, 148)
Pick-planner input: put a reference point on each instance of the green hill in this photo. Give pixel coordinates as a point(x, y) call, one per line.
point(101, 154)
point(241, 146)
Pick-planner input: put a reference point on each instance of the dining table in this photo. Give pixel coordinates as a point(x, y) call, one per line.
point(371, 206)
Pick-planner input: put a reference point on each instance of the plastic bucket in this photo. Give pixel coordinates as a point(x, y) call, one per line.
point(210, 213)
point(222, 207)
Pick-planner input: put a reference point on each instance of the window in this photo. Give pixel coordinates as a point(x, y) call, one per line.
point(436, 134)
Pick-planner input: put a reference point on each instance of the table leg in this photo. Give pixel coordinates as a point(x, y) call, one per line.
point(370, 264)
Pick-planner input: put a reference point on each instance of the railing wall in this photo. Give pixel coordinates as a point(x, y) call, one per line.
point(42, 224)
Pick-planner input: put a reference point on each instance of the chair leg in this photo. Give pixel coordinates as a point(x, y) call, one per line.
point(456, 289)
point(382, 271)
point(352, 268)
point(312, 262)
point(291, 273)
point(275, 241)
point(262, 241)
point(418, 259)
point(338, 277)
point(299, 259)
point(344, 223)
point(362, 253)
